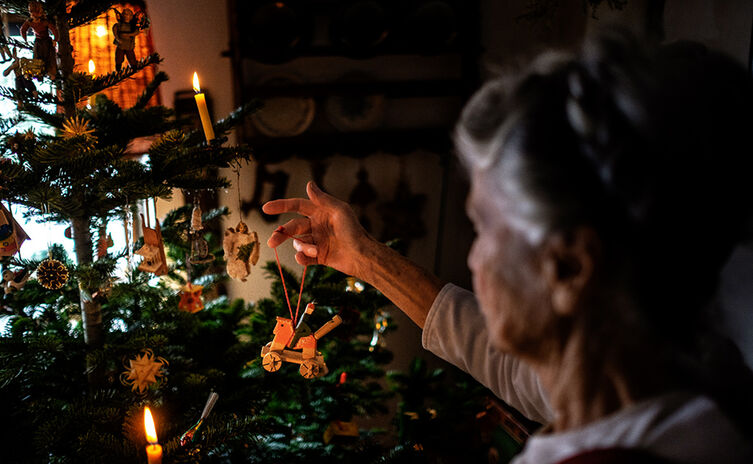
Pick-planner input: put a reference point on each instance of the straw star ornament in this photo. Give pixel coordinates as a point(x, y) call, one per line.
point(143, 371)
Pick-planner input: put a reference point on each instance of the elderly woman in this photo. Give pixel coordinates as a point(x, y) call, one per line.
point(607, 190)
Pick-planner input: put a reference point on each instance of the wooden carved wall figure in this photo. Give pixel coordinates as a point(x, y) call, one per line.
point(12, 235)
point(279, 182)
point(153, 250)
point(402, 216)
point(362, 196)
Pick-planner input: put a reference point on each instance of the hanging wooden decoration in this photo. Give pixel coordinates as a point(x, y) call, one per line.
point(199, 246)
point(12, 236)
point(190, 298)
point(153, 250)
point(295, 342)
point(14, 281)
point(241, 251)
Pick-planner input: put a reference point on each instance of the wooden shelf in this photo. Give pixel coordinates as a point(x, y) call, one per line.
point(452, 76)
point(354, 144)
point(391, 89)
point(321, 51)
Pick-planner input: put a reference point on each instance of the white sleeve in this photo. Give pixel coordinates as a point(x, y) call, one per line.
point(455, 330)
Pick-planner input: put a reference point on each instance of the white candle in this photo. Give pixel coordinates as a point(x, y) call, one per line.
point(201, 103)
point(92, 68)
point(153, 449)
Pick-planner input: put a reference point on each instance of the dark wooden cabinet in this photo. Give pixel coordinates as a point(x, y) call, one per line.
point(353, 77)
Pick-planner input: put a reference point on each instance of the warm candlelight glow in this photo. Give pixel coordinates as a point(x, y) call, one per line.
point(201, 104)
point(153, 449)
point(101, 31)
point(151, 432)
point(92, 67)
point(196, 87)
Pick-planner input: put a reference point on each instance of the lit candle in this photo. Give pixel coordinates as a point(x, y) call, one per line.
point(153, 449)
point(92, 68)
point(201, 102)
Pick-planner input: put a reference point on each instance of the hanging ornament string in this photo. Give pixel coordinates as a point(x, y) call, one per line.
point(237, 170)
point(280, 230)
point(127, 227)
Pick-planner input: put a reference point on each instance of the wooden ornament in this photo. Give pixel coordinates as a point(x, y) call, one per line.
point(12, 235)
point(153, 250)
point(196, 223)
point(241, 251)
point(14, 281)
point(340, 432)
point(297, 345)
point(190, 298)
point(199, 246)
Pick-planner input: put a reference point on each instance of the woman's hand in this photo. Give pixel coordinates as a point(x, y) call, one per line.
point(329, 233)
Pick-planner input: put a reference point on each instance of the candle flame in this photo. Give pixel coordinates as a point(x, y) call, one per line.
point(151, 432)
point(92, 67)
point(196, 87)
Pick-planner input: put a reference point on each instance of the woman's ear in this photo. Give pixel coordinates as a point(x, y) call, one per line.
point(568, 263)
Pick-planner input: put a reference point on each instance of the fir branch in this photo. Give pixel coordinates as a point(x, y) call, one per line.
point(108, 80)
point(148, 93)
point(223, 127)
point(114, 126)
point(75, 156)
point(15, 43)
point(197, 182)
point(19, 7)
point(52, 119)
point(81, 85)
point(236, 117)
point(47, 196)
point(41, 98)
point(85, 11)
point(8, 124)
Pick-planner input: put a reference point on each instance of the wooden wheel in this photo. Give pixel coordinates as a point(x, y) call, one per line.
point(272, 361)
point(309, 369)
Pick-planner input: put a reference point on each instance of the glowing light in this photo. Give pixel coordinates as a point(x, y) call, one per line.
point(196, 87)
point(92, 67)
point(101, 31)
point(151, 432)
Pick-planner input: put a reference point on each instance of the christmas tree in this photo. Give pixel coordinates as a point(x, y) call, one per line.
point(83, 351)
point(89, 341)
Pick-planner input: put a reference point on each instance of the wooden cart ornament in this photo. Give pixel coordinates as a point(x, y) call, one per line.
point(297, 345)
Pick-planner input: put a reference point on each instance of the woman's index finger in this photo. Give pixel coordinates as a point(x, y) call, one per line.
point(289, 205)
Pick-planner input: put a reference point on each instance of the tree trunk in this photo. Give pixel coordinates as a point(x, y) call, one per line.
point(91, 311)
point(65, 52)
